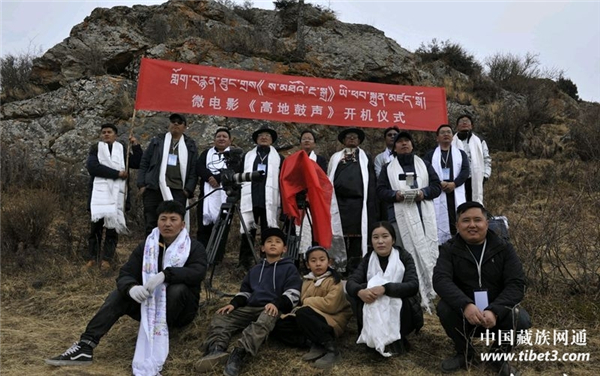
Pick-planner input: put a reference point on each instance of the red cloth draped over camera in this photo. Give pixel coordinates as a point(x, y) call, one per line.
point(299, 173)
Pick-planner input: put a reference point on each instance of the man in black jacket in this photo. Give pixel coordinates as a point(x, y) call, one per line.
point(133, 289)
point(480, 281)
point(106, 164)
point(168, 169)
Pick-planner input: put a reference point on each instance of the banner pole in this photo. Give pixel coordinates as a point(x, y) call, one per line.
point(127, 158)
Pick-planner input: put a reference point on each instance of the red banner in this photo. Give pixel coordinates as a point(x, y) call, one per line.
point(188, 88)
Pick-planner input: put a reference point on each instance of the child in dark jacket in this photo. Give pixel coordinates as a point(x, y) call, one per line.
point(324, 313)
point(268, 290)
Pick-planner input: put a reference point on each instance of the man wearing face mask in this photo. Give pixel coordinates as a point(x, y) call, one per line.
point(480, 161)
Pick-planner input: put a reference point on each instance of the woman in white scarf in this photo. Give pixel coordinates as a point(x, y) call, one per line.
point(383, 292)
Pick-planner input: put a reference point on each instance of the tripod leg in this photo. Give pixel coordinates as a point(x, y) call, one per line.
point(247, 233)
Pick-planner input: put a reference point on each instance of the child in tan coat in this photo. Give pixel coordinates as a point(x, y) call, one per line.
point(324, 311)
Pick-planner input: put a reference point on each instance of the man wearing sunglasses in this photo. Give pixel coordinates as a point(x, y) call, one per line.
point(168, 170)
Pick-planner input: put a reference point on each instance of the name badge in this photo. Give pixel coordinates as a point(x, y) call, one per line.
point(262, 167)
point(481, 299)
point(172, 161)
point(445, 173)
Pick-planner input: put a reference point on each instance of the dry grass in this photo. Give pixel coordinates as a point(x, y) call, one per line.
point(46, 305)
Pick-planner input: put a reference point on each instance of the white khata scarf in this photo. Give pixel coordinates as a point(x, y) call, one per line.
point(477, 166)
point(211, 206)
point(272, 197)
point(152, 347)
point(108, 195)
point(182, 156)
point(364, 162)
point(381, 319)
point(440, 202)
point(419, 234)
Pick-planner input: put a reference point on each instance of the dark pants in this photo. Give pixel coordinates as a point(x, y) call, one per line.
point(95, 242)
point(353, 252)
point(246, 258)
point(204, 231)
point(468, 190)
point(306, 325)
point(152, 198)
point(182, 307)
point(407, 325)
point(459, 329)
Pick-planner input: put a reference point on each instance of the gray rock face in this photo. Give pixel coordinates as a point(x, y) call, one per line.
point(90, 77)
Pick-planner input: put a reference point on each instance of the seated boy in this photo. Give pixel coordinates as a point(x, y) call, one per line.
point(268, 290)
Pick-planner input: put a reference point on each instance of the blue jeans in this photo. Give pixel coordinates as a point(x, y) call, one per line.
point(182, 307)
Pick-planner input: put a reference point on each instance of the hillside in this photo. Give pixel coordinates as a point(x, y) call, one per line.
point(545, 179)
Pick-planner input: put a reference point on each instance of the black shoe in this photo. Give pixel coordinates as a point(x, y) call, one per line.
point(235, 362)
point(455, 363)
point(80, 354)
point(215, 356)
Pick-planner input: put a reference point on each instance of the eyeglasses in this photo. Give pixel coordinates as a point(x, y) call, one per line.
point(351, 137)
point(306, 139)
point(392, 135)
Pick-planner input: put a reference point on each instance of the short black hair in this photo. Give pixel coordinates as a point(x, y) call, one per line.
point(386, 225)
point(470, 205)
point(109, 125)
point(388, 130)
point(465, 116)
point(308, 131)
point(437, 132)
point(223, 129)
point(171, 206)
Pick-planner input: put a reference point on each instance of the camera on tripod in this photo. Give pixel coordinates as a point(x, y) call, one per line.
point(230, 179)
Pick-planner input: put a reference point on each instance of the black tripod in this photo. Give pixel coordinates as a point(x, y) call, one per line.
point(215, 250)
point(294, 240)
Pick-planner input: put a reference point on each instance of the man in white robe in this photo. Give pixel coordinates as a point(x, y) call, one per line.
point(108, 200)
point(452, 167)
point(260, 200)
point(480, 161)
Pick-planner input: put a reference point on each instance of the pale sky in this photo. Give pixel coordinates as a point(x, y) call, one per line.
point(565, 35)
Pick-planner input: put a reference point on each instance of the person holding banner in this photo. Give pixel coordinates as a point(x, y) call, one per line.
point(106, 164)
point(408, 184)
point(308, 141)
point(159, 286)
point(168, 170)
point(352, 174)
point(259, 200)
point(480, 161)
point(452, 166)
point(208, 167)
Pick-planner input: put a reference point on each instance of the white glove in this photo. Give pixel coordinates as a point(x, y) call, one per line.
point(154, 282)
point(139, 293)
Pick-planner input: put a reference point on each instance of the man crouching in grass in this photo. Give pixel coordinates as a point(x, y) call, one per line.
point(158, 286)
point(268, 290)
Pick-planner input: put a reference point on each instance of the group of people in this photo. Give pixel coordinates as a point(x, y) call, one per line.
point(397, 260)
